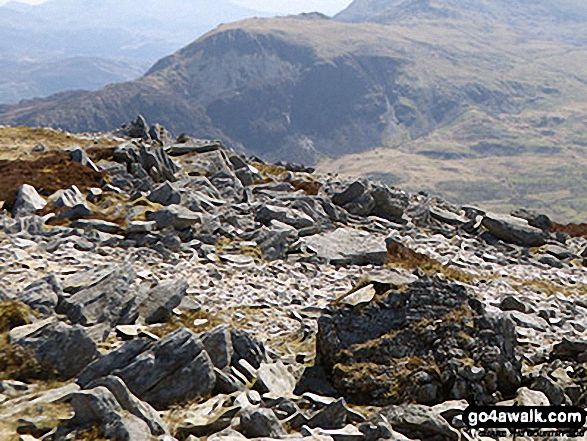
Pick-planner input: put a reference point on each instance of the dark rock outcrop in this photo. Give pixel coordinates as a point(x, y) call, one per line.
point(428, 343)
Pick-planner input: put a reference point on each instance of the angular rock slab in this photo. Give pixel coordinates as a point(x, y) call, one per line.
point(109, 301)
point(260, 423)
point(346, 246)
point(132, 404)
point(60, 347)
point(27, 201)
point(176, 216)
point(99, 406)
point(275, 380)
point(173, 370)
point(218, 345)
point(290, 216)
point(161, 300)
point(207, 418)
point(513, 230)
point(42, 295)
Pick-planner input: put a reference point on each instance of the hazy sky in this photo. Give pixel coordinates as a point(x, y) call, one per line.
point(329, 7)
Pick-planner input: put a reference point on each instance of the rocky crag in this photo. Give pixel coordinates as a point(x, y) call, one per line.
point(170, 288)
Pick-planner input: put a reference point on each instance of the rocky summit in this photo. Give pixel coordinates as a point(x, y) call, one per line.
point(163, 288)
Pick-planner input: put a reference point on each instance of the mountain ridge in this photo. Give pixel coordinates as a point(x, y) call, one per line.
point(307, 88)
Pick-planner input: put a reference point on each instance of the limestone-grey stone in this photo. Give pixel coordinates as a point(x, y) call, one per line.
point(510, 303)
point(529, 397)
point(140, 227)
point(218, 345)
point(165, 194)
point(109, 301)
point(161, 300)
point(419, 422)
point(114, 360)
point(176, 216)
point(158, 164)
point(534, 218)
point(333, 416)
point(132, 404)
point(347, 433)
point(274, 240)
point(296, 218)
point(69, 198)
point(175, 370)
point(96, 224)
point(160, 135)
point(61, 348)
point(247, 348)
point(346, 246)
point(275, 380)
point(514, 230)
point(42, 295)
point(259, 423)
point(207, 418)
point(27, 201)
point(99, 406)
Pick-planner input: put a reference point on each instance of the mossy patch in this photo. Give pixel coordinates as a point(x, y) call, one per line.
point(101, 153)
point(19, 363)
point(270, 170)
point(366, 383)
point(16, 142)
point(416, 344)
point(186, 320)
point(13, 314)
point(404, 257)
point(549, 288)
point(311, 188)
point(93, 433)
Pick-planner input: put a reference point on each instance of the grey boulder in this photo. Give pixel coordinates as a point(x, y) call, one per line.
point(69, 198)
point(27, 201)
point(61, 348)
point(290, 216)
point(347, 246)
point(513, 230)
point(99, 406)
point(260, 423)
point(161, 300)
point(176, 216)
point(110, 301)
point(132, 404)
point(114, 360)
point(42, 295)
point(175, 370)
point(165, 194)
point(419, 422)
point(218, 345)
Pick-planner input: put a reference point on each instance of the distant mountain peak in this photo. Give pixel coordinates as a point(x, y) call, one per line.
point(519, 13)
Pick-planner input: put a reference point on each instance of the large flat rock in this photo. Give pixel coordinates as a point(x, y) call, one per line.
point(514, 230)
point(347, 246)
